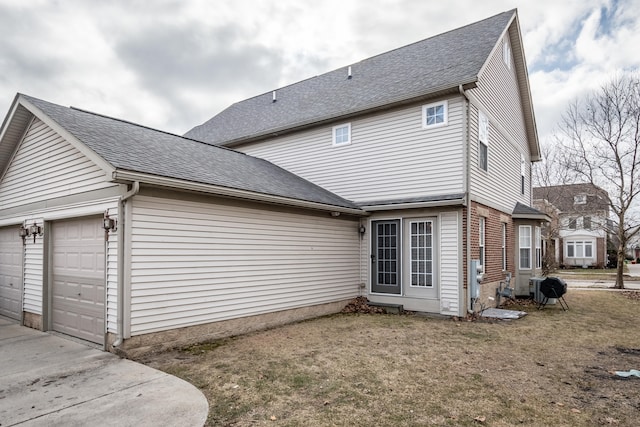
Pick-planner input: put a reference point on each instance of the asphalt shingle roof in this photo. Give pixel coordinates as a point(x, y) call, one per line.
point(130, 147)
point(562, 197)
point(426, 67)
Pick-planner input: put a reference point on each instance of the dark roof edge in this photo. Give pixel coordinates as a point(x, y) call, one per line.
point(126, 176)
point(448, 90)
point(521, 211)
point(415, 202)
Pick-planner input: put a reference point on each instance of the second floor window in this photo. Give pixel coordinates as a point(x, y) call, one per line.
point(434, 115)
point(572, 223)
point(483, 141)
point(342, 134)
point(522, 174)
point(586, 223)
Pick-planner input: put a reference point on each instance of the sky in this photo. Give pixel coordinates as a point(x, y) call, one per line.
point(173, 64)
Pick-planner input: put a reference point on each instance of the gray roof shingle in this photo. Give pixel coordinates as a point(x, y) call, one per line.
point(436, 64)
point(562, 197)
point(130, 147)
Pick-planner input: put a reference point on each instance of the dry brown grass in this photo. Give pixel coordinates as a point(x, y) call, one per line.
point(548, 368)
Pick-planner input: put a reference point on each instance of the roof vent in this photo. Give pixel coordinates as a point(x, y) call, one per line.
point(349, 75)
point(274, 97)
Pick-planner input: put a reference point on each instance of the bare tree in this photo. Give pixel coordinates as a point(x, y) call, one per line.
point(600, 143)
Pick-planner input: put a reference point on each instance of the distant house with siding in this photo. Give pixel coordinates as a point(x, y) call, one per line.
point(578, 233)
point(384, 179)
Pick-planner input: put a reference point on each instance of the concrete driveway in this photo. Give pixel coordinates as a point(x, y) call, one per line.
point(46, 380)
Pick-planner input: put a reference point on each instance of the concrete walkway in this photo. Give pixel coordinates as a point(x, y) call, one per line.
point(631, 282)
point(46, 380)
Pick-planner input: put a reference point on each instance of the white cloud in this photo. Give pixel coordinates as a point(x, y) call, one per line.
point(173, 64)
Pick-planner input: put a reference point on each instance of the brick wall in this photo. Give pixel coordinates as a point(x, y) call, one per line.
point(493, 272)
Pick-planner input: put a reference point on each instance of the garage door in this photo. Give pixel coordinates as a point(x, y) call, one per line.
point(78, 278)
point(10, 273)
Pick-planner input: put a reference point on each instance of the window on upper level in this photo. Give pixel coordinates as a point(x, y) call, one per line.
point(506, 53)
point(483, 141)
point(342, 134)
point(434, 115)
point(572, 223)
point(522, 173)
point(580, 199)
point(586, 223)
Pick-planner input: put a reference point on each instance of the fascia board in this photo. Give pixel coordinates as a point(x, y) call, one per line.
point(85, 150)
point(129, 176)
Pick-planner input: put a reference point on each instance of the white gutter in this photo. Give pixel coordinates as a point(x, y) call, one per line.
point(467, 185)
point(135, 188)
point(414, 205)
point(126, 176)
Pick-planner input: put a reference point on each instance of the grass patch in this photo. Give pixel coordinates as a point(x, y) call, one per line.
point(549, 368)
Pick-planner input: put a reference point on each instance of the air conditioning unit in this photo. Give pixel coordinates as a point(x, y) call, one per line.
point(534, 290)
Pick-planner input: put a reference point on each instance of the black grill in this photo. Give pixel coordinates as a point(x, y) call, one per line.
point(553, 287)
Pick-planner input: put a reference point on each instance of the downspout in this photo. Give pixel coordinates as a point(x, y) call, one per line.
point(467, 190)
point(135, 188)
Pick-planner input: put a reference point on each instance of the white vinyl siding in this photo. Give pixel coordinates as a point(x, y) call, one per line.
point(46, 166)
point(195, 262)
point(498, 96)
point(390, 156)
point(449, 264)
point(112, 277)
point(33, 272)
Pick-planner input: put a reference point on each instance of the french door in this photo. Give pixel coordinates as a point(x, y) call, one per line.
point(385, 257)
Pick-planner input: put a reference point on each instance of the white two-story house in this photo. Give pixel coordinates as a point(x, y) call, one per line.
point(578, 232)
point(383, 178)
point(434, 140)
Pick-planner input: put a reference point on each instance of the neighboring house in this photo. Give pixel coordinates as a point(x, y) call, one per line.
point(384, 179)
point(577, 233)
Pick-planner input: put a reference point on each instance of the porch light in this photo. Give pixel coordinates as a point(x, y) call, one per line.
point(23, 233)
point(108, 224)
point(34, 230)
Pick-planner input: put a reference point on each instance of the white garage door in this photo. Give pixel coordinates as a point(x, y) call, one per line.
point(78, 285)
point(10, 273)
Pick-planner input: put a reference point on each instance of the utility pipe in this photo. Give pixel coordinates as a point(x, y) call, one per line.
point(135, 188)
point(467, 196)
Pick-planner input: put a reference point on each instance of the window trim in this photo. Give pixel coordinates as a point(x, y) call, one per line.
point(333, 135)
point(522, 173)
point(522, 247)
point(504, 247)
point(445, 121)
point(506, 53)
point(583, 244)
point(482, 232)
point(538, 245)
point(431, 260)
